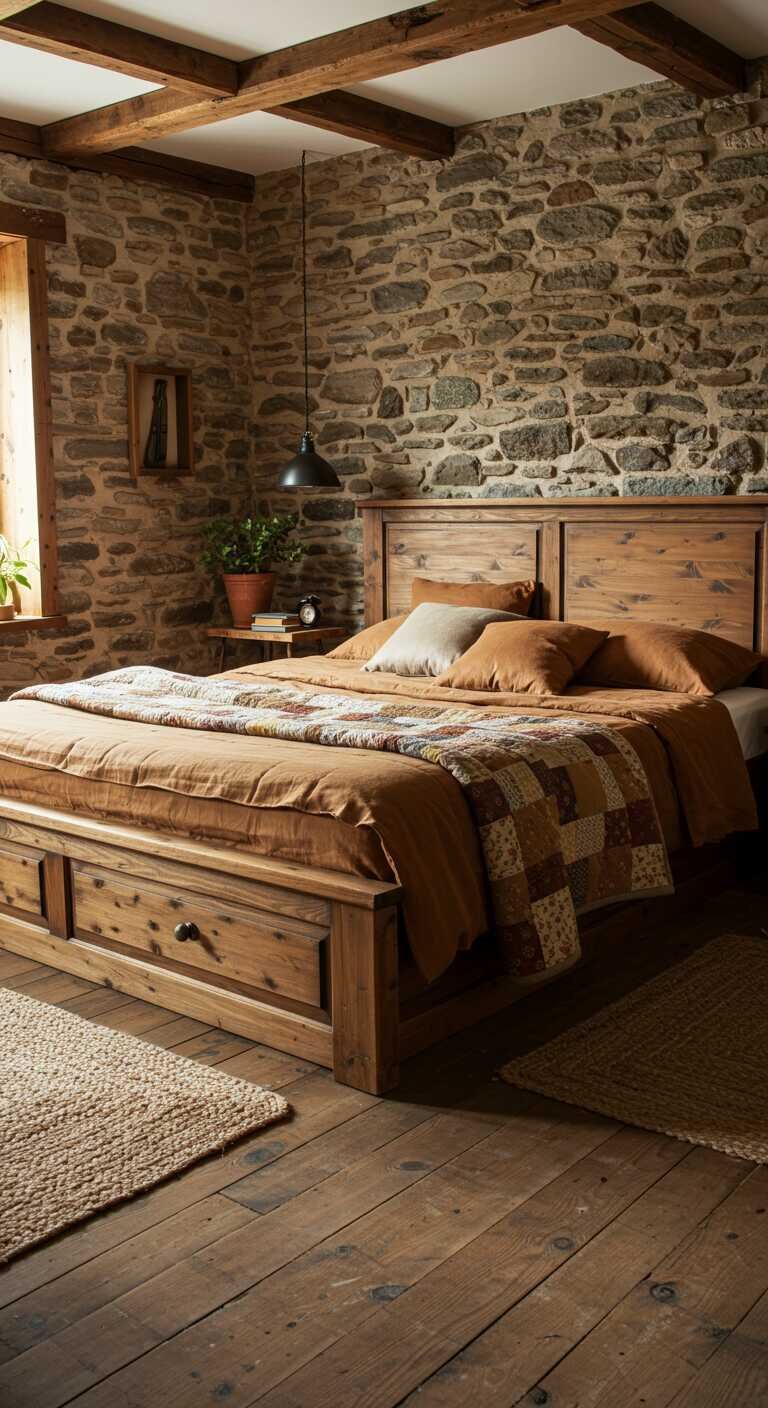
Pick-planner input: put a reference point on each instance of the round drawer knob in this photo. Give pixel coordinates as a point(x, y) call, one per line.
point(186, 930)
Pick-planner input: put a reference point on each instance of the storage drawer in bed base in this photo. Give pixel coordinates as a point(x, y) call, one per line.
point(298, 958)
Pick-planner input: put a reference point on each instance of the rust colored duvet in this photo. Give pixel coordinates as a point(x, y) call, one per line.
point(379, 815)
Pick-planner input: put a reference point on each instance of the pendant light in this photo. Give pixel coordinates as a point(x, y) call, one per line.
point(307, 469)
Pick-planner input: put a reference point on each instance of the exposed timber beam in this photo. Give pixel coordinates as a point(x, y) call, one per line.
point(409, 39)
point(652, 36)
point(193, 72)
point(337, 111)
point(183, 174)
point(32, 222)
point(135, 164)
point(20, 138)
point(369, 121)
point(117, 47)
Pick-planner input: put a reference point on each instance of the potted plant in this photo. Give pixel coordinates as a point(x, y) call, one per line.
point(244, 551)
point(13, 574)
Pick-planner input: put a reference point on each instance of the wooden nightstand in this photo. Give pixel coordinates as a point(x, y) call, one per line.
point(276, 641)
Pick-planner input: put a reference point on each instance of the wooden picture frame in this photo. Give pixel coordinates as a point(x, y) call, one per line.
point(177, 458)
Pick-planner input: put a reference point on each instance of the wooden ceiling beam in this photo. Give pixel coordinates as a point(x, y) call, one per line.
point(32, 222)
point(409, 39)
point(20, 138)
point(75, 35)
point(136, 164)
point(650, 35)
point(180, 172)
point(91, 40)
point(368, 121)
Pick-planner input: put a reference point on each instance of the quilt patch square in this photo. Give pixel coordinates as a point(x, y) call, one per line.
point(547, 877)
point(563, 791)
point(502, 851)
point(578, 881)
point(610, 873)
point(643, 825)
point(618, 831)
point(523, 939)
point(584, 837)
point(538, 829)
point(588, 788)
point(600, 742)
point(489, 801)
point(552, 916)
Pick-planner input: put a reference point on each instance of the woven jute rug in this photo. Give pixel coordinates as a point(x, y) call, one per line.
point(89, 1116)
point(684, 1055)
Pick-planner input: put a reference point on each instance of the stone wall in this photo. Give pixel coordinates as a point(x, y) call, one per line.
point(147, 273)
point(576, 304)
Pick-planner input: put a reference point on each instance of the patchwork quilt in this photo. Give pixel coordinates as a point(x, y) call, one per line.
point(563, 807)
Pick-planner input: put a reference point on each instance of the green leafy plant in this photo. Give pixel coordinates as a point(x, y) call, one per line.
point(251, 544)
point(14, 567)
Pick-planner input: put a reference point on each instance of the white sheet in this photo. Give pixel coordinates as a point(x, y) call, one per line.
point(749, 710)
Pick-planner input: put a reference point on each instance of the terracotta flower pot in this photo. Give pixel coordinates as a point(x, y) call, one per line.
point(8, 612)
point(248, 592)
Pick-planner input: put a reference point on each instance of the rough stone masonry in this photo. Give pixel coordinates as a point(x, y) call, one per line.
point(576, 304)
point(157, 276)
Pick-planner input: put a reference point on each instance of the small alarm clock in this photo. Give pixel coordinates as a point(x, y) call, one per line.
point(309, 610)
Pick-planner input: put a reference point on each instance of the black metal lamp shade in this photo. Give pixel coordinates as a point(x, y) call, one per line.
point(308, 470)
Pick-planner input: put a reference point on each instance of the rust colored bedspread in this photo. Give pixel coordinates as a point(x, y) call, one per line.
point(380, 815)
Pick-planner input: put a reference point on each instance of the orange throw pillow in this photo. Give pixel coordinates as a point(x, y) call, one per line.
point(497, 596)
point(365, 644)
point(648, 655)
point(524, 657)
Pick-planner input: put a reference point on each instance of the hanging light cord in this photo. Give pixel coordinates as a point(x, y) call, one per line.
point(304, 286)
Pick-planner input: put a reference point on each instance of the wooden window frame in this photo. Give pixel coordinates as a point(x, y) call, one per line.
point(24, 232)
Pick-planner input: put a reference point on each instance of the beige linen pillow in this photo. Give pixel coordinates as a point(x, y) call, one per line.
point(432, 637)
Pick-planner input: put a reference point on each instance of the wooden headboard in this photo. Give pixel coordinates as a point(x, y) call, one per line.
point(698, 562)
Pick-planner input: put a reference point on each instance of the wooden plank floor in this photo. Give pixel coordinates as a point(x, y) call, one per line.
point(462, 1243)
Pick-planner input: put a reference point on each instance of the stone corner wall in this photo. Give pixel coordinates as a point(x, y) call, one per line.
point(147, 274)
point(576, 304)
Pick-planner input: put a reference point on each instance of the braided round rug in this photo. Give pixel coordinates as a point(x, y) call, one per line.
point(89, 1116)
point(684, 1055)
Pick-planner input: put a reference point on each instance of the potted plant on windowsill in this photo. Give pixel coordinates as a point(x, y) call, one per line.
point(244, 551)
point(13, 574)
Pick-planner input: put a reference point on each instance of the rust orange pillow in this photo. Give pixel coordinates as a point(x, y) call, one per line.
point(364, 645)
point(524, 657)
point(497, 596)
point(677, 659)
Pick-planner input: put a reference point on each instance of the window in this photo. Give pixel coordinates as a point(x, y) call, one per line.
point(27, 501)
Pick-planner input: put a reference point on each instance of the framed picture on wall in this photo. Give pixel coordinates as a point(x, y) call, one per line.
point(159, 421)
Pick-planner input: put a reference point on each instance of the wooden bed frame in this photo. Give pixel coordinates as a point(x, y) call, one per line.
point(309, 961)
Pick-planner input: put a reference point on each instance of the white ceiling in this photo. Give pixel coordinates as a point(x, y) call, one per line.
point(511, 78)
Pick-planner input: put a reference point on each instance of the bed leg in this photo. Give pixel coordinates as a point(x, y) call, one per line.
point(364, 997)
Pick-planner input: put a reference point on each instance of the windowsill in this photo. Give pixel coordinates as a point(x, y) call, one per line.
point(31, 623)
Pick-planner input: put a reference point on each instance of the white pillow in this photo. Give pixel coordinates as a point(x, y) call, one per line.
point(432, 637)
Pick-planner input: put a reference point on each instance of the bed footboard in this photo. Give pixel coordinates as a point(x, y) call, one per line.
point(301, 959)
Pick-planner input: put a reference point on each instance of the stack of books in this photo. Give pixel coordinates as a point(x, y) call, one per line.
point(275, 621)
